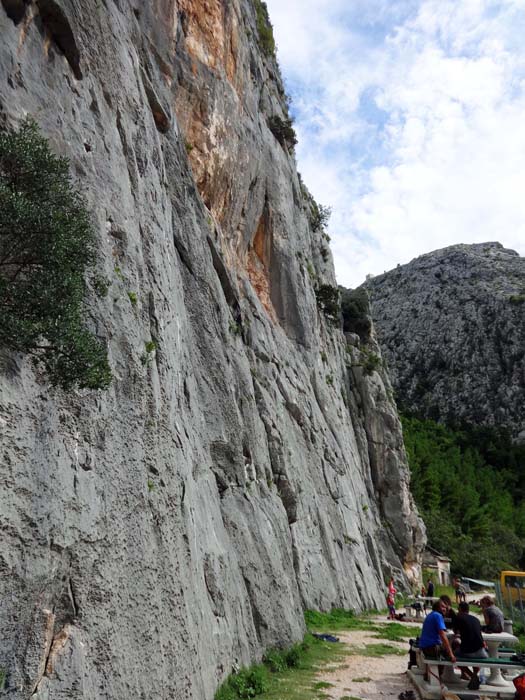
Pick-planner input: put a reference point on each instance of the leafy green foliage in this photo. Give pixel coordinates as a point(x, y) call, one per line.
point(264, 28)
point(371, 361)
point(319, 216)
point(311, 271)
point(293, 673)
point(289, 673)
point(248, 683)
point(278, 660)
point(328, 301)
point(469, 487)
point(517, 299)
point(355, 308)
point(47, 244)
point(283, 131)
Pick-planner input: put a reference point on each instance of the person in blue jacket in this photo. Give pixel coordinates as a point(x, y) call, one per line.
point(433, 640)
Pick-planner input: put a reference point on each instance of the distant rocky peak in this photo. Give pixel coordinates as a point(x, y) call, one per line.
point(451, 325)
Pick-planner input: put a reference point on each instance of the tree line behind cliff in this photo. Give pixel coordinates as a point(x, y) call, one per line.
point(468, 485)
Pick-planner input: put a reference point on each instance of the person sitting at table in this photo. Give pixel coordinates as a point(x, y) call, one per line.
point(471, 644)
point(494, 619)
point(433, 639)
point(450, 613)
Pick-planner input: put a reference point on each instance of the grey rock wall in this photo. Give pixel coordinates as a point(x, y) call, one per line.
point(159, 534)
point(451, 325)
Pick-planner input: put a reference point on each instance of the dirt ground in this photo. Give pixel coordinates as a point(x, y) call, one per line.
point(365, 677)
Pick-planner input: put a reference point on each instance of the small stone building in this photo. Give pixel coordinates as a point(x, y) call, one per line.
point(438, 564)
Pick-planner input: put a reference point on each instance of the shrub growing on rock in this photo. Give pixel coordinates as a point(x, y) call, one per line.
point(283, 131)
point(264, 28)
point(47, 244)
point(328, 300)
point(355, 307)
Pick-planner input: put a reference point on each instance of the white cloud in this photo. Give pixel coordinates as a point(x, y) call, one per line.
point(409, 114)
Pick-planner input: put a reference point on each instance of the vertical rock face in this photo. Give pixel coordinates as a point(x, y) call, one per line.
point(158, 534)
point(452, 327)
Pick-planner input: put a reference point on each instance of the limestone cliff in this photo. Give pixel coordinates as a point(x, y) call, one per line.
point(157, 535)
point(451, 325)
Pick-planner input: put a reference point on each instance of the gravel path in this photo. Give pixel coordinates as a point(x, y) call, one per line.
point(365, 677)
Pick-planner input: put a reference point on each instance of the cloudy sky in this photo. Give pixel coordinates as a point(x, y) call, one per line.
point(411, 122)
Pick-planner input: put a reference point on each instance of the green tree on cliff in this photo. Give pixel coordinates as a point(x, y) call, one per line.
point(47, 245)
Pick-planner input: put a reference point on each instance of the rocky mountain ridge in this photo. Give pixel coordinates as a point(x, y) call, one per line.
point(159, 534)
point(451, 325)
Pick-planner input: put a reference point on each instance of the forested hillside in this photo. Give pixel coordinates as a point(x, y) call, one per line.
point(469, 488)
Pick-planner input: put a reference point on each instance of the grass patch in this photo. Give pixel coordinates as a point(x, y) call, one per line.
point(394, 632)
point(290, 674)
point(336, 619)
point(294, 673)
point(349, 697)
point(382, 650)
point(339, 619)
point(361, 679)
point(248, 683)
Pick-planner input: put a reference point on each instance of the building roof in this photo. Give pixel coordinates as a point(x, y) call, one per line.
point(433, 552)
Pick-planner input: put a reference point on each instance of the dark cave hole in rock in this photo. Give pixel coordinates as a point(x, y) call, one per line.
point(15, 9)
point(58, 26)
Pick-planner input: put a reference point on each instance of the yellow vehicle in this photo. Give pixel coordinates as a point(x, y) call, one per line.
point(513, 587)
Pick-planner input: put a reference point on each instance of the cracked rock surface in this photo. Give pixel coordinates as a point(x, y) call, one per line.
point(159, 534)
point(451, 325)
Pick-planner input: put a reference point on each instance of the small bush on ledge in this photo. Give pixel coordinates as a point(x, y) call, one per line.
point(319, 216)
point(371, 362)
point(355, 307)
point(328, 300)
point(264, 28)
point(47, 244)
point(283, 131)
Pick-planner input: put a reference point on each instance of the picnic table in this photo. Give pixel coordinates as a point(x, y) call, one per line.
point(493, 640)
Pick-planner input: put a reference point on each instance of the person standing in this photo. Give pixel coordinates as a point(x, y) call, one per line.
point(433, 640)
point(430, 588)
point(391, 599)
point(461, 596)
